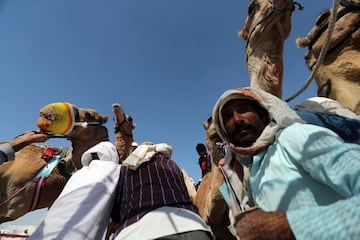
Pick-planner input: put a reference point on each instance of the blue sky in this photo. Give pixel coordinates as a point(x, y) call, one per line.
point(165, 61)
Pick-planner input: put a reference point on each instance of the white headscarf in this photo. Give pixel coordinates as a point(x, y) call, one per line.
point(280, 114)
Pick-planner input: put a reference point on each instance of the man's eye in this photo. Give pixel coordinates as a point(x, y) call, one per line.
point(243, 109)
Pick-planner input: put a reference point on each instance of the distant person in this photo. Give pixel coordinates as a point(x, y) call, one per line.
point(204, 159)
point(8, 149)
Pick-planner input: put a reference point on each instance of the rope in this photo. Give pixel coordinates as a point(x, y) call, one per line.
point(233, 194)
point(324, 48)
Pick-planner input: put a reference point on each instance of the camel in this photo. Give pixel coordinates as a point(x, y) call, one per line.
point(212, 206)
point(123, 130)
point(19, 174)
point(266, 28)
point(338, 76)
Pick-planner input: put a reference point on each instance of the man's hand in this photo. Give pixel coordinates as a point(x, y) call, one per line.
point(257, 224)
point(28, 138)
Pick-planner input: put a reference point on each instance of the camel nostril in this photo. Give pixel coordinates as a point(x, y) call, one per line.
point(43, 124)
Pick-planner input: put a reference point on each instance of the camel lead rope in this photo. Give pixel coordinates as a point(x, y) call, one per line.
point(232, 191)
point(323, 51)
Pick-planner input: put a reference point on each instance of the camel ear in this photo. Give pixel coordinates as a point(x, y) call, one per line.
point(206, 125)
point(243, 33)
point(302, 42)
point(104, 118)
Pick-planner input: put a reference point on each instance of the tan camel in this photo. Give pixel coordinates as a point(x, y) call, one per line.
point(123, 130)
point(266, 28)
point(15, 175)
point(212, 206)
point(16, 197)
point(338, 76)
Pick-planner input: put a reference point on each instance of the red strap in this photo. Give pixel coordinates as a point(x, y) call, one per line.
point(49, 153)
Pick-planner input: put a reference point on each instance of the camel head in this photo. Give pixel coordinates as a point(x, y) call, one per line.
point(263, 14)
point(266, 28)
point(82, 126)
point(339, 72)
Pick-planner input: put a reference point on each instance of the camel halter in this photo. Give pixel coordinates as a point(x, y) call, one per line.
point(64, 118)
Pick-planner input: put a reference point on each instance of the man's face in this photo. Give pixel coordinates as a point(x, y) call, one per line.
point(202, 152)
point(244, 121)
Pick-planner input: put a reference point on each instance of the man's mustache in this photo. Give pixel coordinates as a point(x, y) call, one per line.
point(240, 126)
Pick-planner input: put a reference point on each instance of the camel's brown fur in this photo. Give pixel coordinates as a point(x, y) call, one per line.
point(15, 174)
point(28, 162)
point(266, 28)
point(338, 76)
point(212, 207)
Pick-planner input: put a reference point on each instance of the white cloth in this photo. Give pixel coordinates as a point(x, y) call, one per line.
point(106, 151)
point(162, 222)
point(326, 105)
point(281, 115)
point(83, 208)
point(144, 153)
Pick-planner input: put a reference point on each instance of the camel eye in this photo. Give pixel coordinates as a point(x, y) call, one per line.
point(89, 116)
point(323, 18)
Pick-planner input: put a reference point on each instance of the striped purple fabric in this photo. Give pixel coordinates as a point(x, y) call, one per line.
point(154, 184)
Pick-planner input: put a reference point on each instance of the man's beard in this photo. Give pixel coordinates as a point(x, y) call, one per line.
point(243, 134)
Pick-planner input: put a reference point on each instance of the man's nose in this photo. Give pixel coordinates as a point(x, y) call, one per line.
point(238, 117)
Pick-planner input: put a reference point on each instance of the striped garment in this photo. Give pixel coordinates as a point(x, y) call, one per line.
point(156, 183)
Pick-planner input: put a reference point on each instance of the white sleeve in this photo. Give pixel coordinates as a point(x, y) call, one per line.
point(83, 208)
point(6, 152)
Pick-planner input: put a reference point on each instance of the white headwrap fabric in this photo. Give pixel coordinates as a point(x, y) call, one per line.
point(144, 153)
point(281, 116)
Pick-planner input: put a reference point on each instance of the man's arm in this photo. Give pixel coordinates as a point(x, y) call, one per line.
point(7, 150)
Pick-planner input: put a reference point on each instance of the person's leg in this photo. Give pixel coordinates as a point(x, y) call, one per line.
point(198, 235)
